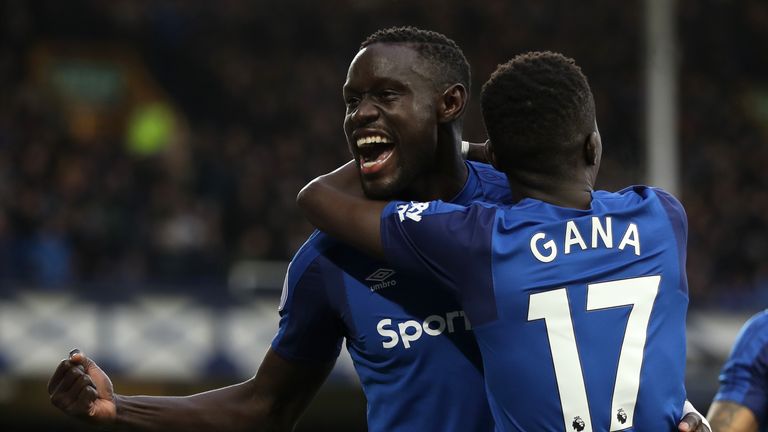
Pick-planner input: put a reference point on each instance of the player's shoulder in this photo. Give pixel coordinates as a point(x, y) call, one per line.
point(488, 174)
point(752, 341)
point(644, 192)
point(311, 254)
point(494, 186)
point(437, 212)
point(440, 206)
point(315, 245)
point(642, 195)
point(756, 327)
point(637, 193)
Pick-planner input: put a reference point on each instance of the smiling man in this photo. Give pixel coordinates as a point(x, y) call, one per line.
point(418, 362)
point(412, 346)
point(405, 95)
point(577, 297)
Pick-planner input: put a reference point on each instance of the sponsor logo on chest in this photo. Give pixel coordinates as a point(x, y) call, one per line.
point(411, 330)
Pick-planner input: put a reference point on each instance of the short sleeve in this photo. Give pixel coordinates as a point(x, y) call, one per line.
point(744, 378)
point(447, 242)
point(679, 222)
point(309, 325)
point(675, 213)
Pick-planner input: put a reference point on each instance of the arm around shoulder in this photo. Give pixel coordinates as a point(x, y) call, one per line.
point(335, 204)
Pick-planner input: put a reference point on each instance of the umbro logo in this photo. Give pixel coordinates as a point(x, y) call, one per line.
point(380, 276)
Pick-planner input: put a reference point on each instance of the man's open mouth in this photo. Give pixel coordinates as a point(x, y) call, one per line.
point(373, 152)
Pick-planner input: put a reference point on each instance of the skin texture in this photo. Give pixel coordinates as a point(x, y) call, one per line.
point(388, 92)
point(273, 400)
point(727, 416)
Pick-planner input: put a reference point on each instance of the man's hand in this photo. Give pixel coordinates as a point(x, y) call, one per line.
point(692, 420)
point(478, 152)
point(80, 388)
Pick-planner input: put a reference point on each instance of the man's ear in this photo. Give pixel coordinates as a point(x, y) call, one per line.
point(593, 148)
point(452, 103)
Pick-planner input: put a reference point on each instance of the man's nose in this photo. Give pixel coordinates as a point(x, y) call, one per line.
point(366, 112)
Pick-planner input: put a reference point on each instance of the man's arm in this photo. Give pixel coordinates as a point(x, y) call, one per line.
point(742, 399)
point(692, 420)
point(273, 400)
point(725, 416)
point(335, 203)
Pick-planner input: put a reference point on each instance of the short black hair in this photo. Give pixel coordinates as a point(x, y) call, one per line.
point(448, 59)
point(538, 110)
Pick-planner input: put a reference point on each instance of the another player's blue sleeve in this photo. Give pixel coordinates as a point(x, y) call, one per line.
point(309, 326)
point(448, 242)
point(744, 378)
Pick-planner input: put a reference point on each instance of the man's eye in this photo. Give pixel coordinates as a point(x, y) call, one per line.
point(389, 95)
point(352, 101)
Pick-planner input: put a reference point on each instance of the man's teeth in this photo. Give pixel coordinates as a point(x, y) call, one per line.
point(377, 139)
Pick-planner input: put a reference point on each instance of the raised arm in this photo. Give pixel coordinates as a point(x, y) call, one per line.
point(335, 204)
point(273, 400)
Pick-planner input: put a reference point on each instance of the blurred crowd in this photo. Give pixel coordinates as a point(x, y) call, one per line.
point(724, 137)
point(255, 94)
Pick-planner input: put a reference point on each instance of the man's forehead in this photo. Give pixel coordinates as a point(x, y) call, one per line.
point(391, 60)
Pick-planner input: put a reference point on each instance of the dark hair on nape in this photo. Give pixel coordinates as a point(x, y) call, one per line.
point(538, 110)
point(450, 63)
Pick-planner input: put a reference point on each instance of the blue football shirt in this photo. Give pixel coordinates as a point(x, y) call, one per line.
point(744, 378)
point(412, 346)
point(579, 314)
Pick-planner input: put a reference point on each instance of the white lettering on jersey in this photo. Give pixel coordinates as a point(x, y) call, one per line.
point(606, 234)
point(411, 330)
point(632, 238)
point(411, 210)
point(602, 236)
point(550, 245)
point(573, 237)
point(392, 335)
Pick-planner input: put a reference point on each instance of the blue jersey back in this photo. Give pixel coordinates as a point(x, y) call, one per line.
point(411, 345)
point(744, 378)
point(579, 314)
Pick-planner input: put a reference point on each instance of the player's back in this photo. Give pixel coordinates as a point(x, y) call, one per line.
point(589, 332)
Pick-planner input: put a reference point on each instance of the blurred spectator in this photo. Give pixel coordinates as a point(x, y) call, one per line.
point(178, 194)
point(724, 129)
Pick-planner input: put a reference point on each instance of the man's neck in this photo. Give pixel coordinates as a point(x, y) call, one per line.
point(562, 192)
point(444, 181)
